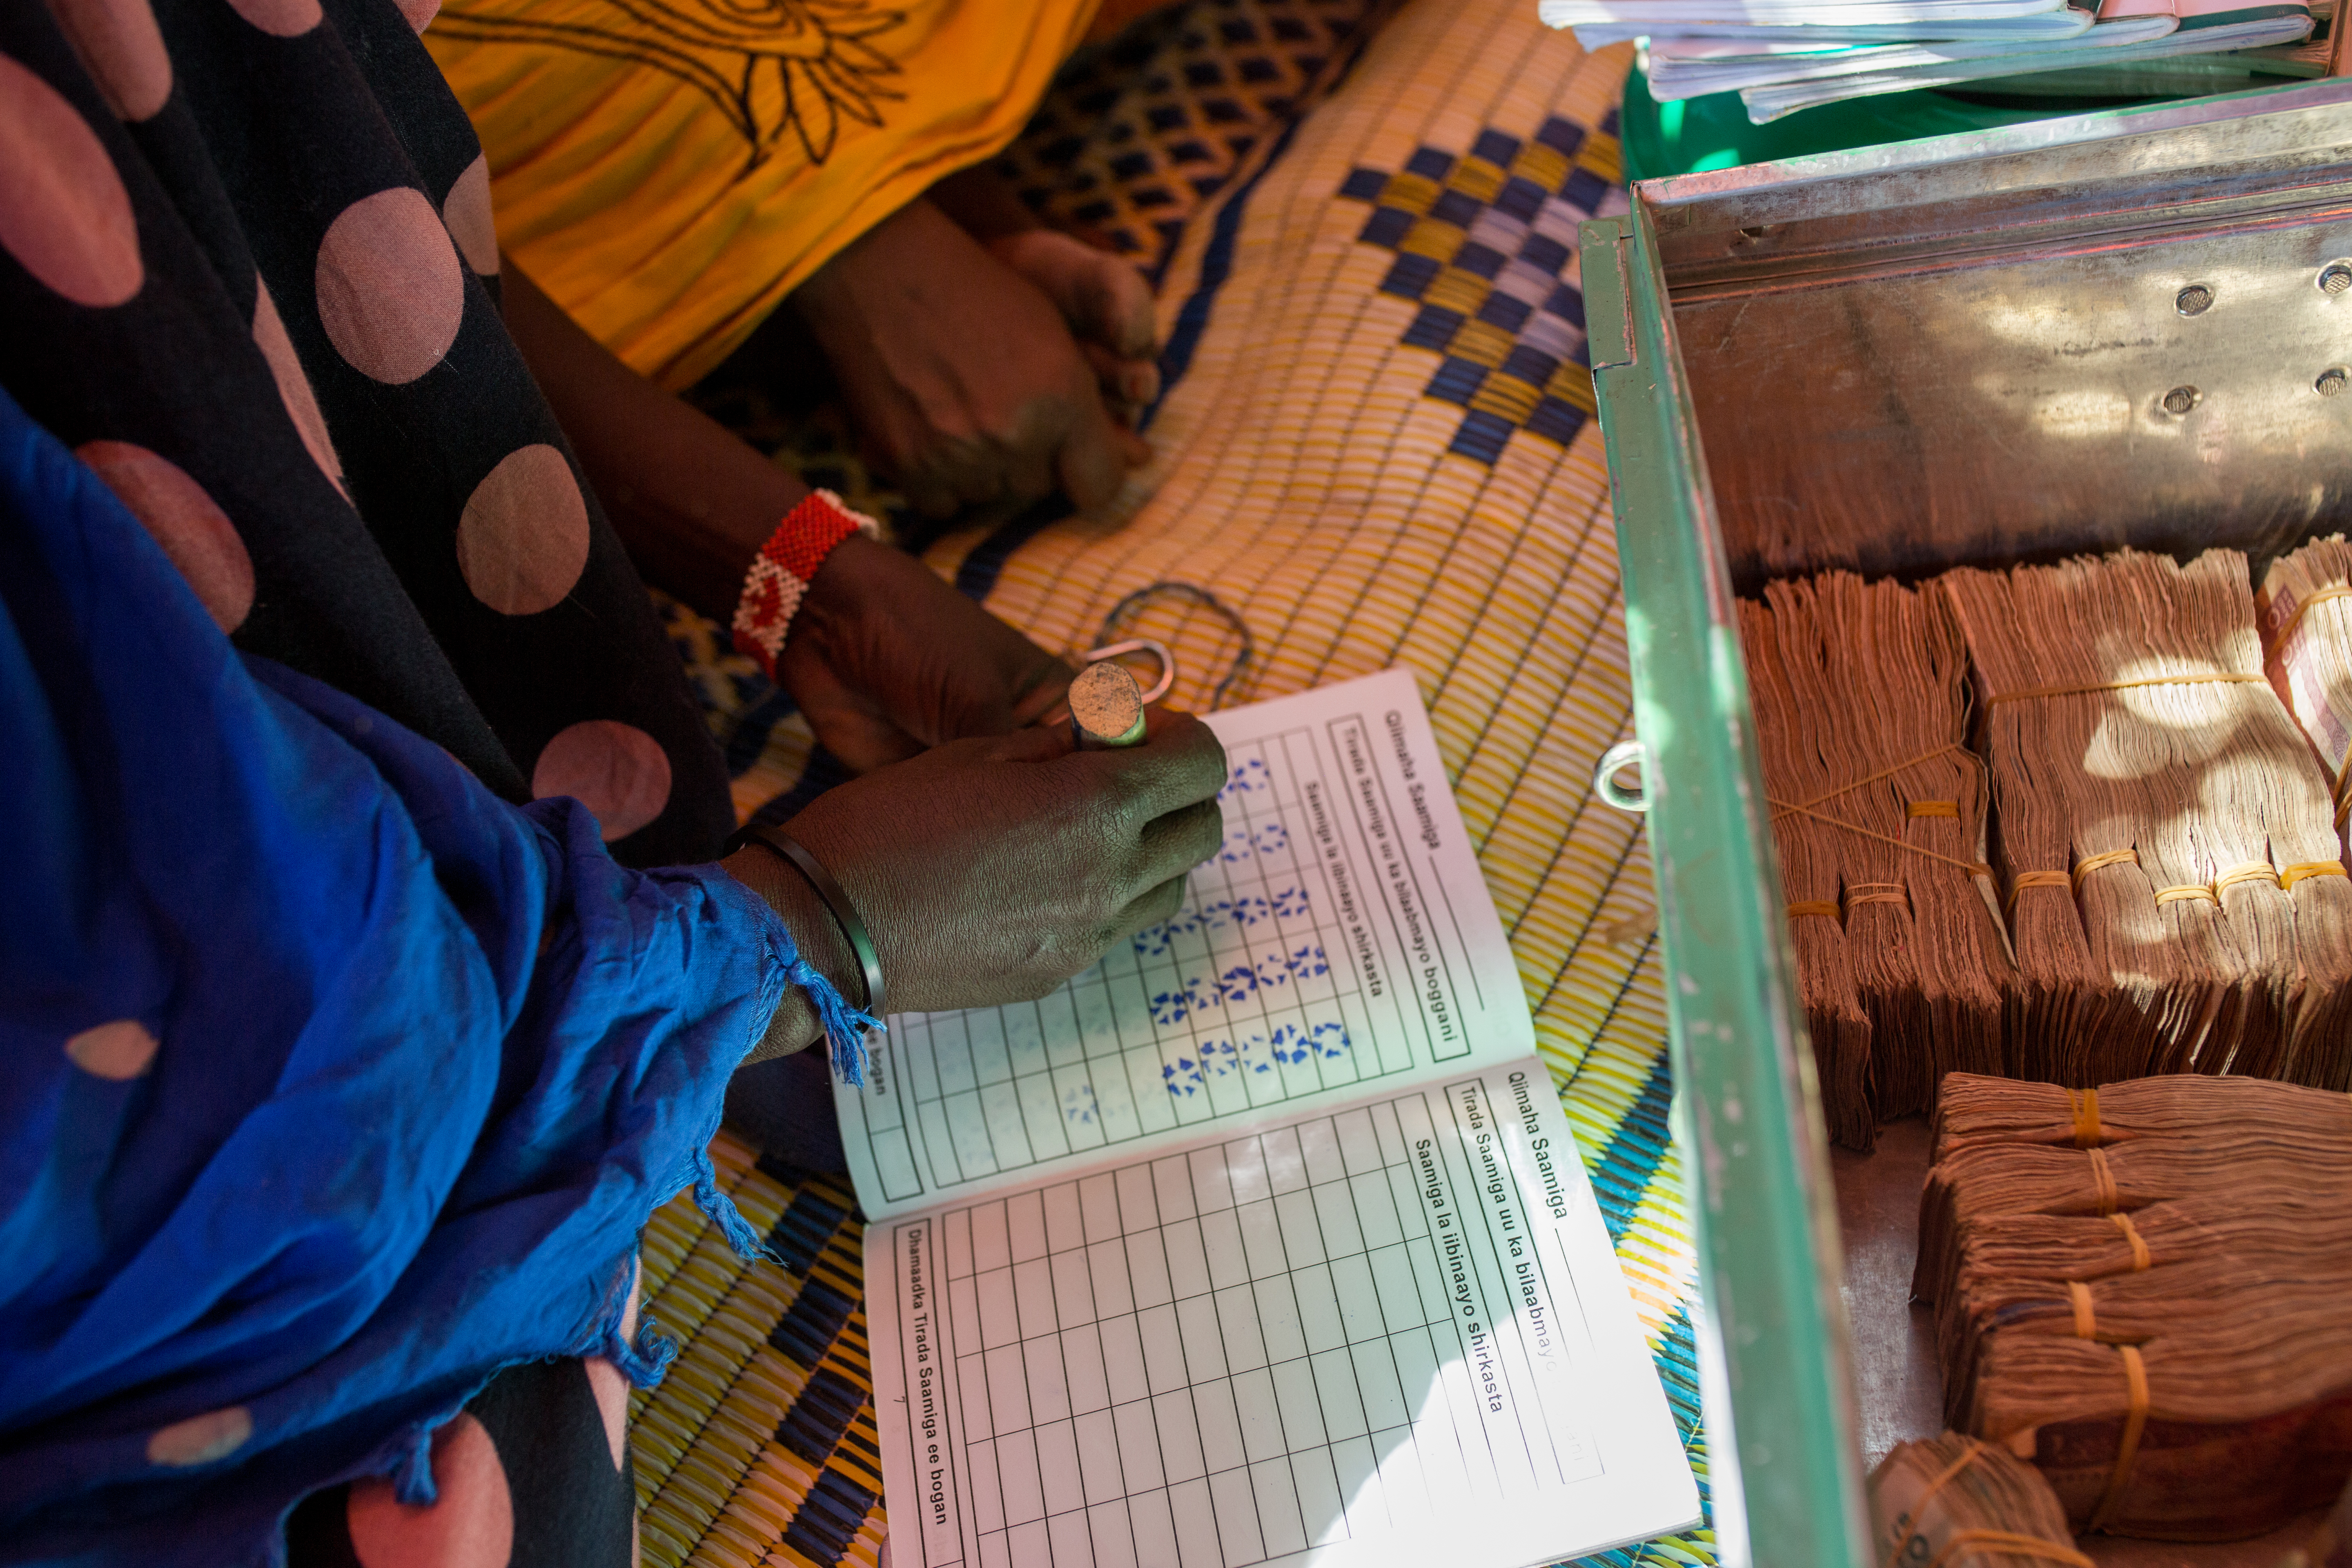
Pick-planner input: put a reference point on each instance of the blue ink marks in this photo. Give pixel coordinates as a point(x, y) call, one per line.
point(1237, 984)
point(1220, 1057)
point(1184, 1078)
point(1175, 1006)
point(1242, 911)
point(1241, 845)
point(1078, 1104)
point(1290, 904)
point(1293, 1044)
point(1160, 940)
point(1305, 963)
point(1249, 776)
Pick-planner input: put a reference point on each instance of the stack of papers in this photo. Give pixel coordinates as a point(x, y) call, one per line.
point(1782, 56)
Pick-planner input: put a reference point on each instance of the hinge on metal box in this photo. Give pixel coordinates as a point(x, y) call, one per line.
point(1608, 301)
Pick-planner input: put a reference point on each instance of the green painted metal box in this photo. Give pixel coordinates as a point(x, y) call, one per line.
point(1976, 349)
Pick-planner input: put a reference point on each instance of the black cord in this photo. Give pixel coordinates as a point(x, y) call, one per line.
point(1114, 626)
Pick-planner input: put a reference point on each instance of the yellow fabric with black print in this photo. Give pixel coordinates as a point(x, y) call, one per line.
point(669, 172)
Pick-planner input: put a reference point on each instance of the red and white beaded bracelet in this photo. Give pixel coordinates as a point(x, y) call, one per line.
point(781, 573)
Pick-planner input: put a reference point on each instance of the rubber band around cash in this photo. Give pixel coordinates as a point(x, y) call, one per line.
point(2304, 870)
point(2245, 871)
point(1973, 867)
point(1783, 808)
point(2186, 890)
point(1936, 1484)
point(2135, 1422)
point(2226, 678)
point(2142, 1259)
point(2086, 1118)
point(1919, 808)
point(2100, 862)
point(2103, 1177)
point(1967, 1540)
point(2026, 881)
point(2086, 1321)
point(2332, 591)
point(1877, 893)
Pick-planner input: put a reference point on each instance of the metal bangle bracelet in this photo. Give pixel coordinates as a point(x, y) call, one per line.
point(845, 913)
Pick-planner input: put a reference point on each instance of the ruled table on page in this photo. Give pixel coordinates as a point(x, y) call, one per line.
point(1234, 1003)
point(1340, 935)
point(1226, 1356)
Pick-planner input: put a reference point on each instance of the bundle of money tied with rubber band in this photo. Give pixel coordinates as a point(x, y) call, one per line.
point(2054, 822)
point(2145, 1290)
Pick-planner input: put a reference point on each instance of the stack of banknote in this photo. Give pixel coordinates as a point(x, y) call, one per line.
point(2142, 1289)
point(1878, 810)
point(1959, 1502)
point(2054, 822)
point(2164, 840)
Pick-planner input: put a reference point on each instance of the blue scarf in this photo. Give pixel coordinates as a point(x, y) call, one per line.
point(330, 1083)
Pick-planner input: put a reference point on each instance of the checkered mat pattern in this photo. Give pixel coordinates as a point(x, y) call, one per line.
point(1360, 463)
point(1137, 132)
point(1483, 241)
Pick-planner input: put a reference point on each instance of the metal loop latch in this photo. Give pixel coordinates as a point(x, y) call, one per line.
point(1625, 754)
point(1152, 646)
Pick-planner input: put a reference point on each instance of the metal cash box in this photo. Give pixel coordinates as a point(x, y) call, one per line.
point(2128, 328)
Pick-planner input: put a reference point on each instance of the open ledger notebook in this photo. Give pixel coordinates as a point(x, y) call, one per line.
point(1266, 1239)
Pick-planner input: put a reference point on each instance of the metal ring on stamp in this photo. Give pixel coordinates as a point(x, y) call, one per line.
point(1616, 760)
point(1152, 646)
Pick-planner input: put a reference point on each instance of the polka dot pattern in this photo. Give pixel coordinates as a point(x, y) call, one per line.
point(391, 293)
point(293, 384)
point(281, 18)
point(201, 1439)
point(195, 534)
point(616, 769)
point(467, 215)
point(131, 282)
point(64, 214)
point(122, 48)
point(470, 1525)
point(523, 540)
point(117, 1051)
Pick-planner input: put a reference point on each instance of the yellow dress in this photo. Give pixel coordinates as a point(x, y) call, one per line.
point(669, 170)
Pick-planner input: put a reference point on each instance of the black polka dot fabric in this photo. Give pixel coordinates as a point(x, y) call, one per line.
point(249, 276)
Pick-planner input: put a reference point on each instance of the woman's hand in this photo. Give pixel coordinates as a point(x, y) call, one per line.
point(961, 376)
point(1106, 301)
point(1108, 305)
point(886, 659)
point(992, 869)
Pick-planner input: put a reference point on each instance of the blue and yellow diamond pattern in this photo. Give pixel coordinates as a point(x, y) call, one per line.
point(1484, 242)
